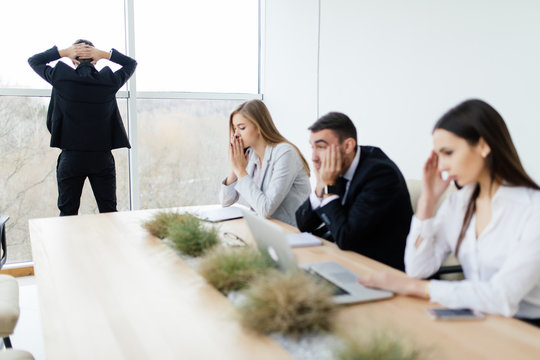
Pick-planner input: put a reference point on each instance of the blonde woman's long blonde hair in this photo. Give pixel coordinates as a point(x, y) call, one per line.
point(257, 112)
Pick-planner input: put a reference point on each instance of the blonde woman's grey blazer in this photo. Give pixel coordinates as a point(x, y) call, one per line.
point(284, 187)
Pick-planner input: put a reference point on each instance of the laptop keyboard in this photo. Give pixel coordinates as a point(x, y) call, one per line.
point(336, 290)
point(344, 277)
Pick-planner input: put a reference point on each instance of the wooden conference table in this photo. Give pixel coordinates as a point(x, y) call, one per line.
point(109, 290)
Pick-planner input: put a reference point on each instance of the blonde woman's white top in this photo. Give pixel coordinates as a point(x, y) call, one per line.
point(501, 266)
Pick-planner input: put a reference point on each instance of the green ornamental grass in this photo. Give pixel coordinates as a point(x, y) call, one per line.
point(381, 346)
point(157, 226)
point(191, 236)
point(289, 303)
point(232, 269)
point(185, 232)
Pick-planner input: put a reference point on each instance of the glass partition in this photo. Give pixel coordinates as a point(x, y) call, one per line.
point(205, 47)
point(28, 181)
point(202, 46)
point(183, 151)
point(32, 26)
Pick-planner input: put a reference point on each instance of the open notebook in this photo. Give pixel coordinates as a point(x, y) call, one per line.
point(220, 214)
point(234, 212)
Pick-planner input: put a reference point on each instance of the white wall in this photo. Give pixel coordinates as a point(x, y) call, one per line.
point(289, 67)
point(396, 66)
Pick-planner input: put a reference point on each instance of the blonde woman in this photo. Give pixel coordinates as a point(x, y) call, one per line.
point(267, 171)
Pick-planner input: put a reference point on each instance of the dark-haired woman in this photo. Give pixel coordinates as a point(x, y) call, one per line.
point(492, 224)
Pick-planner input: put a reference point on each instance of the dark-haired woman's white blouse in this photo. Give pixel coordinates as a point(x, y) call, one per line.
point(501, 267)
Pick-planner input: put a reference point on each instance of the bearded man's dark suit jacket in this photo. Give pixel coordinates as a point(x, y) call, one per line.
point(84, 121)
point(376, 216)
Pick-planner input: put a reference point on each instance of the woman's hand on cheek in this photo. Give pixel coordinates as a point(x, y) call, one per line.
point(238, 158)
point(433, 185)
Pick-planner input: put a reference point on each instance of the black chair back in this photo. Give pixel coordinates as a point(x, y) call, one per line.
point(3, 249)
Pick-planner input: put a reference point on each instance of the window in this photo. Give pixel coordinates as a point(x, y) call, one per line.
point(183, 149)
point(203, 45)
point(187, 51)
point(27, 30)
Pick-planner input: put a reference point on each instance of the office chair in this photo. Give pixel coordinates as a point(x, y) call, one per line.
point(9, 292)
point(3, 249)
point(9, 307)
point(415, 189)
point(450, 269)
point(9, 303)
point(12, 354)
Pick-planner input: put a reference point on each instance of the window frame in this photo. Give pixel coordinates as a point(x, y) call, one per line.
point(131, 95)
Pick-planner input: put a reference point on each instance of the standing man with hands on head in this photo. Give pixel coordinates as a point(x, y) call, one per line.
point(361, 201)
point(84, 121)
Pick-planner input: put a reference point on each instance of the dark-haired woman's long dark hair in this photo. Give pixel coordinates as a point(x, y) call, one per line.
point(476, 119)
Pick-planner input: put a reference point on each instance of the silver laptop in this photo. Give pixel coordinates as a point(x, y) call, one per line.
point(270, 239)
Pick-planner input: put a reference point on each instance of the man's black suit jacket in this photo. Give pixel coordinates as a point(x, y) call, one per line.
point(83, 114)
point(376, 216)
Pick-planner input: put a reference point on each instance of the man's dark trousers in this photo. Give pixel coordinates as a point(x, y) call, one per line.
point(72, 169)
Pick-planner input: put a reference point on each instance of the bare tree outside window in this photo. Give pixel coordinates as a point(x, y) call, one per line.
point(28, 173)
point(183, 151)
point(27, 183)
point(181, 144)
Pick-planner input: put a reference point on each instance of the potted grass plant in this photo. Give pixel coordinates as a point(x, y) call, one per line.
point(381, 345)
point(290, 303)
point(232, 269)
point(157, 226)
point(184, 232)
